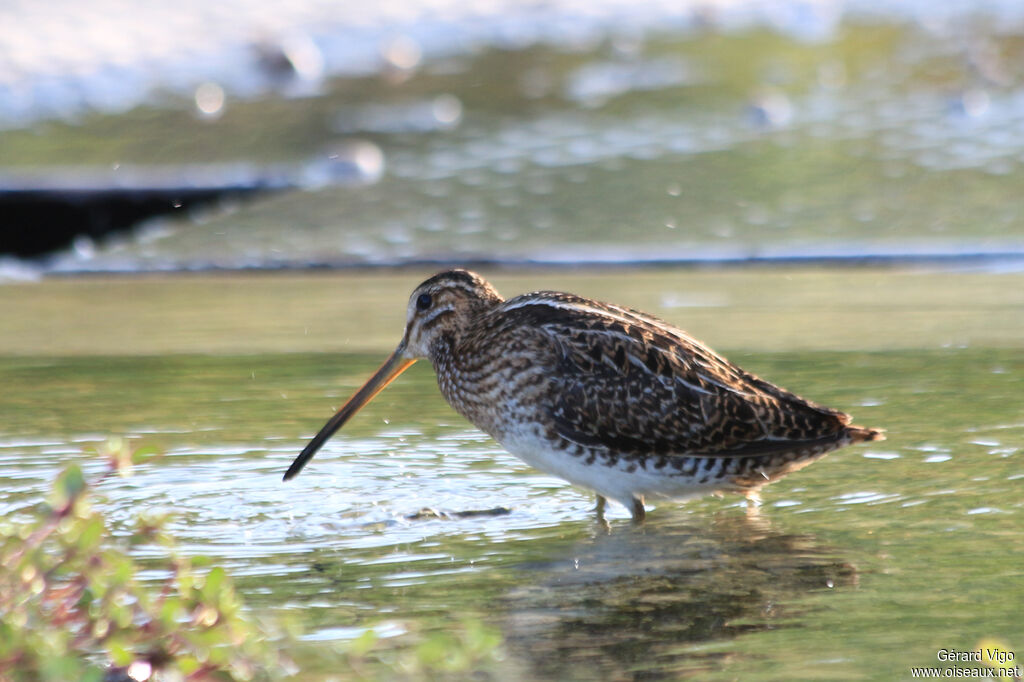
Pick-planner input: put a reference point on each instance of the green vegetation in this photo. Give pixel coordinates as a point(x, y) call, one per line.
point(73, 604)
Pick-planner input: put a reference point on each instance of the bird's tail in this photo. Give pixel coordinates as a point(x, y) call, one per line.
point(859, 434)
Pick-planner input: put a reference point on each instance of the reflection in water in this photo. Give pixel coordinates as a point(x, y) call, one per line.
point(633, 602)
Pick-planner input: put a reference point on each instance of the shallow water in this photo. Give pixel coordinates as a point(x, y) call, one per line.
point(858, 567)
point(783, 129)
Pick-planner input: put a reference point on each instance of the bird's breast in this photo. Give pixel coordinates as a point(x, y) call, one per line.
point(497, 388)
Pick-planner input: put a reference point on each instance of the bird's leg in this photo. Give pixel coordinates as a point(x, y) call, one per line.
point(638, 510)
point(753, 504)
point(601, 521)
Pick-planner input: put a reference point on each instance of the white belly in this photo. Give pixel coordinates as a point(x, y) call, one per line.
point(614, 481)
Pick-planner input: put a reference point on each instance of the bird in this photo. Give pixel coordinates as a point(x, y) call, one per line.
point(609, 398)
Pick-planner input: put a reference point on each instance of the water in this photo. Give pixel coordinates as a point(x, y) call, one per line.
point(888, 134)
point(573, 134)
point(81, 58)
point(858, 567)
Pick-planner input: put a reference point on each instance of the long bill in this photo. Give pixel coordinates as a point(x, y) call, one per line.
point(388, 372)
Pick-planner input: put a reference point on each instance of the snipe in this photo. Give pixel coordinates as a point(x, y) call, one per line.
point(606, 397)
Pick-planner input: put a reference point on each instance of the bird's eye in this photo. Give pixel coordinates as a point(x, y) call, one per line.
point(424, 301)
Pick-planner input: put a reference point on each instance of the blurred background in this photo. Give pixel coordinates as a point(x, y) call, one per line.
point(212, 215)
point(316, 133)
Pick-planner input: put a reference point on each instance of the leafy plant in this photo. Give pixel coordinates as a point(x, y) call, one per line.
point(73, 607)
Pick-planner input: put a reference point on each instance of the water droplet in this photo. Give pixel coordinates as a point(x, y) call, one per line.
point(447, 110)
point(403, 53)
point(210, 100)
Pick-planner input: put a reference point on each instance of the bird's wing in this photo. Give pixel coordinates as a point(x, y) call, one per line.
point(630, 382)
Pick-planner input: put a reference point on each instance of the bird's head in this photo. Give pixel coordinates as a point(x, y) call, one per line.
point(438, 311)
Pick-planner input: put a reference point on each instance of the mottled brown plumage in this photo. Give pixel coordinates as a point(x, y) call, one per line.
point(604, 396)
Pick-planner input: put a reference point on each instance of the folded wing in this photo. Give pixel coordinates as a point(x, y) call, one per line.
point(635, 384)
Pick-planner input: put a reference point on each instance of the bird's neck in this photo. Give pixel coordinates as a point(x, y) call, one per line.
point(441, 348)
point(472, 315)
